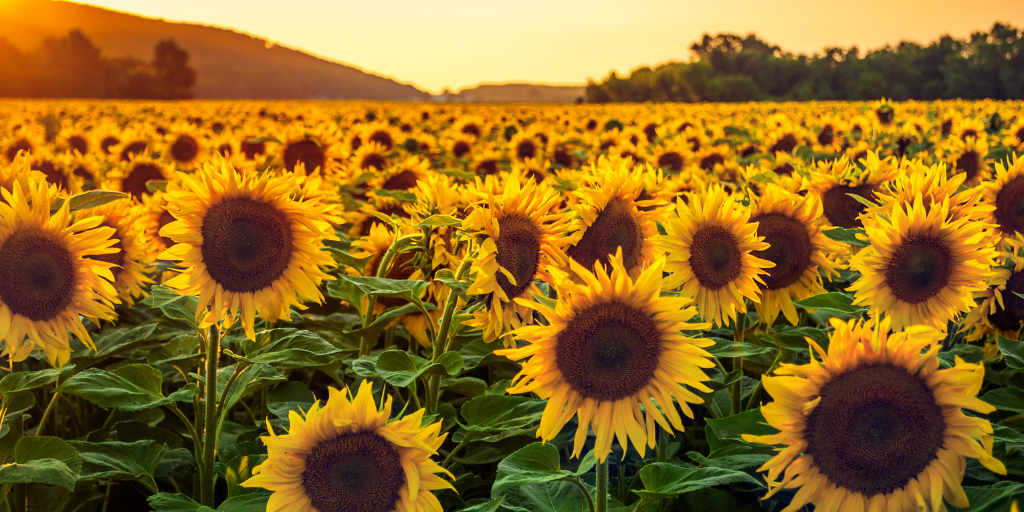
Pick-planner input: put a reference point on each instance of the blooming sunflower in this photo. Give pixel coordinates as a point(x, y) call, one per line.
point(522, 238)
point(48, 277)
point(876, 425)
point(1006, 195)
point(246, 244)
point(968, 156)
point(611, 345)
point(136, 249)
point(1000, 310)
point(922, 267)
point(802, 254)
point(710, 243)
point(834, 182)
point(612, 214)
point(132, 178)
point(347, 456)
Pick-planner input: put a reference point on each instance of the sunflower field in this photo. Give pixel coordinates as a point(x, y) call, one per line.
point(420, 307)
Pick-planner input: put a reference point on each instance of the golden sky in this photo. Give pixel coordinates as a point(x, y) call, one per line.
point(460, 43)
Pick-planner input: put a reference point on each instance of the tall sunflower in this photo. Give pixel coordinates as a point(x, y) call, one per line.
point(922, 268)
point(521, 238)
point(246, 244)
point(347, 456)
point(710, 244)
point(876, 425)
point(136, 251)
point(48, 277)
point(611, 345)
point(802, 254)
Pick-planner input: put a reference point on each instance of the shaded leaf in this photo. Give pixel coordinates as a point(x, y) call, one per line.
point(131, 388)
point(534, 464)
point(663, 480)
point(118, 460)
point(1013, 352)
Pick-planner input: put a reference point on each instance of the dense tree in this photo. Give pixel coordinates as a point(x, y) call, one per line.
point(729, 67)
point(73, 67)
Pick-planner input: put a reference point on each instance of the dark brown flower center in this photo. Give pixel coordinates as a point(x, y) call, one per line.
point(487, 167)
point(132, 149)
point(616, 226)
point(185, 149)
point(785, 144)
point(671, 160)
point(37, 275)
point(875, 428)
point(842, 210)
point(970, 163)
point(247, 245)
point(919, 269)
point(403, 180)
point(135, 182)
point(518, 252)
point(786, 169)
point(789, 248)
point(526, 149)
point(471, 129)
point(709, 162)
point(373, 160)
point(251, 150)
point(383, 138)
point(306, 151)
point(78, 143)
point(360, 472)
point(715, 257)
point(609, 351)
point(1010, 206)
point(108, 142)
point(53, 175)
point(18, 145)
point(460, 149)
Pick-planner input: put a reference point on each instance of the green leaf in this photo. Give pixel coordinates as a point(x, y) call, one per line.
point(732, 427)
point(26, 380)
point(155, 186)
point(832, 301)
point(534, 464)
point(440, 220)
point(487, 506)
point(1006, 399)
point(409, 290)
point(290, 396)
point(547, 497)
point(90, 199)
point(344, 258)
point(400, 368)
point(43, 460)
point(252, 379)
point(246, 502)
point(729, 348)
point(289, 349)
point(496, 417)
point(458, 287)
point(735, 462)
point(174, 306)
point(848, 236)
point(663, 480)
point(1013, 352)
point(238, 470)
point(113, 340)
point(116, 460)
point(994, 498)
point(134, 387)
point(175, 502)
point(383, 320)
point(795, 338)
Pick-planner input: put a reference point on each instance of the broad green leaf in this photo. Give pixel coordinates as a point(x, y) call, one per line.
point(409, 290)
point(155, 186)
point(175, 502)
point(736, 462)
point(994, 498)
point(176, 462)
point(458, 287)
point(252, 379)
point(440, 220)
point(848, 236)
point(288, 349)
point(832, 301)
point(174, 306)
point(90, 199)
point(1006, 399)
point(496, 417)
point(26, 380)
point(1013, 352)
point(487, 506)
point(795, 338)
point(238, 470)
point(546, 497)
point(535, 463)
point(344, 258)
point(729, 348)
point(400, 368)
point(732, 427)
point(134, 387)
point(246, 502)
point(663, 480)
point(113, 340)
point(384, 320)
point(290, 396)
point(116, 460)
point(43, 460)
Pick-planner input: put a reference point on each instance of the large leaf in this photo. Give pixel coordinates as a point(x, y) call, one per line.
point(496, 417)
point(663, 480)
point(400, 368)
point(172, 305)
point(546, 497)
point(246, 502)
point(90, 199)
point(848, 236)
point(290, 396)
point(134, 387)
point(175, 502)
point(26, 380)
point(535, 463)
point(113, 340)
point(729, 348)
point(732, 427)
point(487, 506)
point(116, 460)
point(833, 302)
point(994, 498)
point(288, 349)
point(1013, 352)
point(252, 379)
point(363, 286)
point(1006, 399)
point(43, 460)
point(238, 470)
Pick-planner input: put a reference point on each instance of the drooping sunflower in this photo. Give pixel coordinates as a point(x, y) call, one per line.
point(710, 244)
point(347, 456)
point(611, 345)
point(802, 254)
point(612, 214)
point(246, 244)
point(136, 250)
point(876, 425)
point(922, 268)
point(522, 238)
point(48, 277)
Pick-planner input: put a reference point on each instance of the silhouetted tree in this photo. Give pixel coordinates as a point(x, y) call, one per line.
point(174, 76)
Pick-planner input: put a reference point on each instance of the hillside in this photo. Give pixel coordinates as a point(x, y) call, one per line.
point(521, 92)
point(228, 64)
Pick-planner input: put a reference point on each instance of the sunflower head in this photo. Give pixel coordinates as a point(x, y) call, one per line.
point(876, 425)
point(349, 455)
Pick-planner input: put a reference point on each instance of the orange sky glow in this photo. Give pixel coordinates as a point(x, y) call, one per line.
point(461, 43)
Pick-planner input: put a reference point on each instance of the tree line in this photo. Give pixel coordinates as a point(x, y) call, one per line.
point(74, 67)
point(729, 67)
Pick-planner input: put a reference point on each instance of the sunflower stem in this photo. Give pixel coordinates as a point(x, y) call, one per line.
point(441, 344)
point(737, 364)
point(602, 486)
point(209, 476)
point(48, 413)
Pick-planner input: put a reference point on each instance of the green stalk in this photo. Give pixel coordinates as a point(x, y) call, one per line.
point(602, 487)
point(365, 345)
point(441, 344)
point(209, 477)
point(47, 413)
point(737, 364)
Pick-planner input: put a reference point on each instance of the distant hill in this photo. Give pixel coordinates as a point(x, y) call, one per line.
point(521, 92)
point(228, 64)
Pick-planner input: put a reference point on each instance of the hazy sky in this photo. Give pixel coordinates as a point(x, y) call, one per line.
point(459, 43)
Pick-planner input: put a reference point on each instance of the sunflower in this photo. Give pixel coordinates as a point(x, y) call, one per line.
point(312, 147)
point(710, 244)
point(1000, 310)
point(184, 146)
point(611, 345)
point(524, 146)
point(802, 254)
point(611, 214)
point(876, 425)
point(403, 176)
point(933, 185)
point(246, 244)
point(834, 181)
point(132, 178)
point(922, 267)
point(968, 156)
point(1006, 195)
point(47, 276)
point(347, 456)
point(369, 157)
point(136, 250)
point(521, 238)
